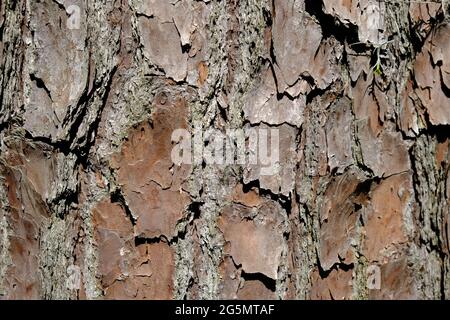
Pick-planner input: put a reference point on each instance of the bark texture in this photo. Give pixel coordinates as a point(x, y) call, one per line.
point(360, 93)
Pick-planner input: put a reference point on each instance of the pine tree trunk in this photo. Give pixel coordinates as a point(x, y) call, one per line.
point(92, 205)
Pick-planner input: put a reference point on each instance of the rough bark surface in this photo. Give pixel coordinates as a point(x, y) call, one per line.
point(360, 93)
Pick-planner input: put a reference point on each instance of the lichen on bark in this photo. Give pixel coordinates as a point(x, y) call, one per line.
point(93, 207)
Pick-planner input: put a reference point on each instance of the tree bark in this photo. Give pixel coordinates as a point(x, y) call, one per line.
point(92, 205)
